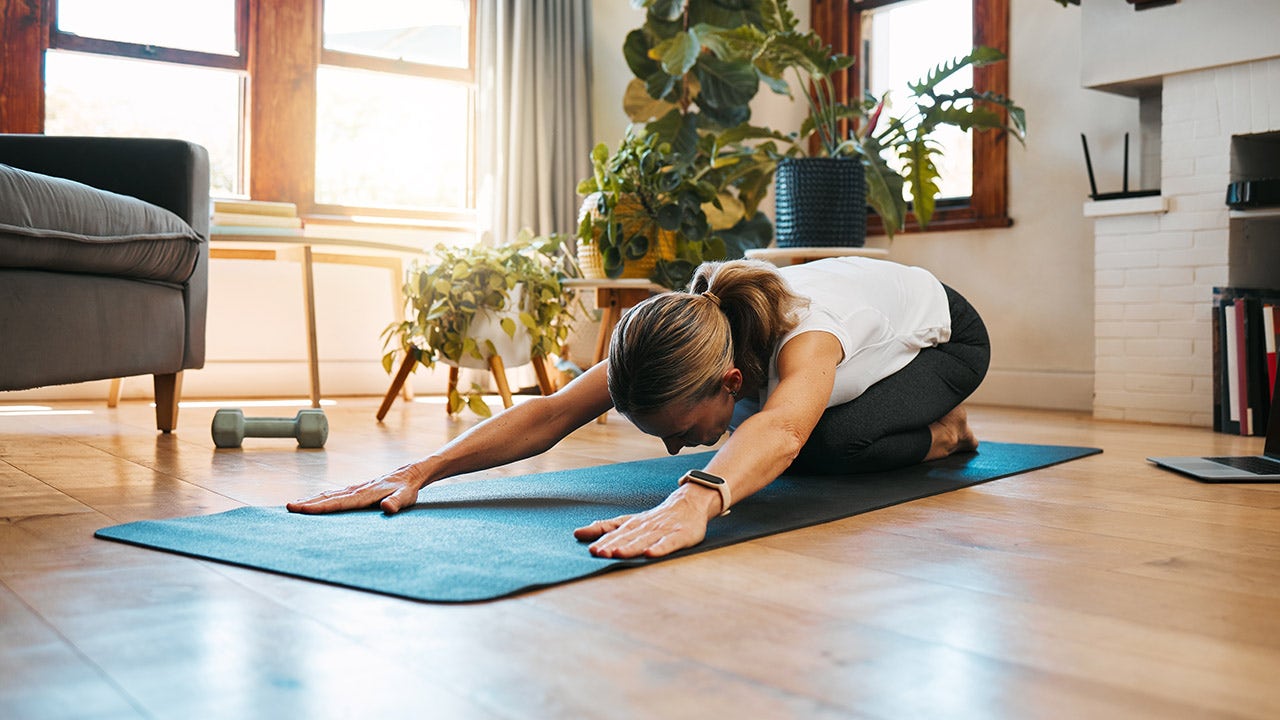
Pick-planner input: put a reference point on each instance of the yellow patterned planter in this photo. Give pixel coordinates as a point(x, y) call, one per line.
point(631, 214)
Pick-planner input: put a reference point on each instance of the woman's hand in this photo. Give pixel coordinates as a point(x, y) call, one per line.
point(679, 522)
point(392, 492)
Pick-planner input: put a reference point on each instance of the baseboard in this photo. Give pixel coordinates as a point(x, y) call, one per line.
point(273, 379)
point(1049, 390)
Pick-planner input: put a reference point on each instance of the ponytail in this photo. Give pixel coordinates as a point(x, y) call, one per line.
point(676, 347)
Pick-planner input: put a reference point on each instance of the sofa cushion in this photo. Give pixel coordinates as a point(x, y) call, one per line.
point(49, 223)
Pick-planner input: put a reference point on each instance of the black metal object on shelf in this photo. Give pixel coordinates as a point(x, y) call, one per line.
point(1125, 192)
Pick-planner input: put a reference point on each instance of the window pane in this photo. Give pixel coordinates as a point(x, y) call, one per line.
point(201, 25)
point(386, 140)
point(435, 32)
point(108, 96)
point(906, 41)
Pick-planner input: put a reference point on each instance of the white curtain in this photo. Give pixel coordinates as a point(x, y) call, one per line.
point(534, 64)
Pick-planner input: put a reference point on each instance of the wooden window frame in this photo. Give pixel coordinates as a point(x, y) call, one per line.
point(280, 47)
point(839, 22)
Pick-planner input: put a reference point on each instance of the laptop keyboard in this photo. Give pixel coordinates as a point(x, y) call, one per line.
point(1255, 465)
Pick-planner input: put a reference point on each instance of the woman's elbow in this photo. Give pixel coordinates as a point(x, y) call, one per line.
point(791, 441)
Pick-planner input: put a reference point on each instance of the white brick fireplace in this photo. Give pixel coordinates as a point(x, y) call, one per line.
point(1157, 259)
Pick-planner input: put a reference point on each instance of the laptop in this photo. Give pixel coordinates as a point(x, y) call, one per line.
point(1236, 469)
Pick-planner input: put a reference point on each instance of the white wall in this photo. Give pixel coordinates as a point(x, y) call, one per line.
point(1123, 45)
point(1032, 282)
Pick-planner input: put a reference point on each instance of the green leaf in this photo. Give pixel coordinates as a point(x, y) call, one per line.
point(636, 247)
point(980, 56)
point(668, 10)
point(455, 402)
point(611, 258)
point(884, 187)
point(478, 406)
point(509, 327)
point(725, 85)
point(922, 173)
point(677, 54)
point(749, 233)
point(387, 361)
point(635, 49)
point(739, 44)
point(640, 106)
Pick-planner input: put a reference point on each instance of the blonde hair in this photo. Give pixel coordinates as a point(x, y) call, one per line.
point(676, 347)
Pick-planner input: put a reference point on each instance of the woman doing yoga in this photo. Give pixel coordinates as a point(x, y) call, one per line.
point(841, 365)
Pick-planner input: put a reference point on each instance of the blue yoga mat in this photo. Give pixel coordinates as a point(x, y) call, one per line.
point(488, 539)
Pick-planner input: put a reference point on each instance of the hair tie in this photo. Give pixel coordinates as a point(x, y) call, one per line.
point(711, 296)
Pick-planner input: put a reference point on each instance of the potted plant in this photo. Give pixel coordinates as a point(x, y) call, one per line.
point(686, 167)
point(874, 135)
point(470, 304)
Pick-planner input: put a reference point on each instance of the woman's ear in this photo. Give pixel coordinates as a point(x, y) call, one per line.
point(732, 380)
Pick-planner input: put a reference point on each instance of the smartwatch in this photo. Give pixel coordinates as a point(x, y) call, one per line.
point(715, 482)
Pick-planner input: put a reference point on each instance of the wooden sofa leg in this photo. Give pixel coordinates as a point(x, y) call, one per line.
point(168, 391)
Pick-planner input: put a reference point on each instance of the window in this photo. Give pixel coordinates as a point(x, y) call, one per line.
point(395, 98)
point(903, 42)
point(896, 41)
point(179, 75)
point(344, 107)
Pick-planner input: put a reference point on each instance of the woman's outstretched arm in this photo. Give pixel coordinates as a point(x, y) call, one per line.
point(522, 431)
point(754, 456)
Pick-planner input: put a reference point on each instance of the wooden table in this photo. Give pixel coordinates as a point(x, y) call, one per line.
point(301, 247)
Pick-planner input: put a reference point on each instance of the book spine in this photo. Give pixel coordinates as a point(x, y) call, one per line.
point(1269, 338)
point(1232, 401)
point(1218, 361)
point(1241, 368)
point(226, 218)
point(256, 207)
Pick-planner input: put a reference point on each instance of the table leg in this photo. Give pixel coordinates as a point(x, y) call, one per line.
point(309, 303)
point(612, 301)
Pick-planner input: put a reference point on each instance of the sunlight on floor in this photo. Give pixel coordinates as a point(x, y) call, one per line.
point(20, 410)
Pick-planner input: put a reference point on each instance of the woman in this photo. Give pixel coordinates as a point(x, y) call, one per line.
point(840, 365)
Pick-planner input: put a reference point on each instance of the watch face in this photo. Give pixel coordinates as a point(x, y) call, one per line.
point(706, 477)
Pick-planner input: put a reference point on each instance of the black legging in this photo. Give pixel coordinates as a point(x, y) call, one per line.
point(888, 425)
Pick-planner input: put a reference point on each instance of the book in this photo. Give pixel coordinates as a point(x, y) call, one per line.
point(1230, 368)
point(249, 230)
point(255, 207)
point(249, 219)
point(1269, 339)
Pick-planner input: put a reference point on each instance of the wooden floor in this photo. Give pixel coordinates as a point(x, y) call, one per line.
point(1102, 588)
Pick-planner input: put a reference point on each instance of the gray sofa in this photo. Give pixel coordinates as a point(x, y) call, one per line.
point(95, 284)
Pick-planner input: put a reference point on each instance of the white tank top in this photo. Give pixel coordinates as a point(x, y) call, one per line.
point(882, 313)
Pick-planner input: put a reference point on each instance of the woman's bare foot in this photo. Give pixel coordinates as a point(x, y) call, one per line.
point(951, 435)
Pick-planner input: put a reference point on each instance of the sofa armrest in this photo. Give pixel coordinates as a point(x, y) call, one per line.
point(173, 174)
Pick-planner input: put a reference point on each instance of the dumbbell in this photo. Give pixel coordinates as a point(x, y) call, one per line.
point(231, 427)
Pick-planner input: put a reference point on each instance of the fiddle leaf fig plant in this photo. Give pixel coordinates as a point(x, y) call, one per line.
point(689, 104)
point(522, 281)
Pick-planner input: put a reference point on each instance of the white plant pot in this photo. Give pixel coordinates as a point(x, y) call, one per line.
point(487, 325)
